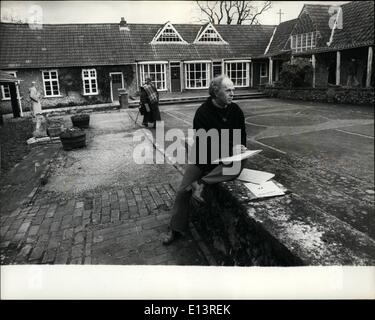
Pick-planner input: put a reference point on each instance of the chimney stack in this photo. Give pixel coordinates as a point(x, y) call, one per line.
point(123, 25)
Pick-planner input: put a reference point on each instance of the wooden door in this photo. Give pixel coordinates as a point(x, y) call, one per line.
point(116, 83)
point(175, 78)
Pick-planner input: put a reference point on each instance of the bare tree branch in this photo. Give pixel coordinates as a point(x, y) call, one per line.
point(233, 12)
point(266, 5)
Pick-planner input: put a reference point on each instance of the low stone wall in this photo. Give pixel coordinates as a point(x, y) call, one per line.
point(279, 231)
point(342, 95)
point(233, 238)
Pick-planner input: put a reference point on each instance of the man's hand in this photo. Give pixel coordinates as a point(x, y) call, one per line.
point(238, 149)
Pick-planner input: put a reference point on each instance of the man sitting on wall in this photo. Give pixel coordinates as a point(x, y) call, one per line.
point(218, 112)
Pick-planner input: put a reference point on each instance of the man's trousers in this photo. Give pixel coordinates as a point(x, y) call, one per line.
point(181, 207)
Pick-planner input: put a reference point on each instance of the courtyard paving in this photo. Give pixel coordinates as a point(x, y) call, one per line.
point(99, 207)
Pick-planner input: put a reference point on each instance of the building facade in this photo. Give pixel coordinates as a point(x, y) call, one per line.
point(77, 64)
point(338, 41)
point(88, 63)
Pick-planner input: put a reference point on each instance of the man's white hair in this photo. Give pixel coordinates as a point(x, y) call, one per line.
point(215, 84)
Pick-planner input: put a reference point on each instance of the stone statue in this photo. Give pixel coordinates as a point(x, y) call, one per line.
point(35, 100)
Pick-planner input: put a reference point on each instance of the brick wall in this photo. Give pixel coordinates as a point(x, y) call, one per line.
point(71, 87)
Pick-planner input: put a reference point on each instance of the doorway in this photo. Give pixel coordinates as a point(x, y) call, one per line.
point(175, 77)
point(117, 82)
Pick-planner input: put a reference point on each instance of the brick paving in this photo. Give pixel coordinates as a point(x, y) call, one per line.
point(121, 225)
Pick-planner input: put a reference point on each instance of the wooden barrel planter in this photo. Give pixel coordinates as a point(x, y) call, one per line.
point(80, 120)
point(54, 131)
point(73, 138)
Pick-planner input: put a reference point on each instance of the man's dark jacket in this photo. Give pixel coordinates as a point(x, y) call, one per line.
point(208, 116)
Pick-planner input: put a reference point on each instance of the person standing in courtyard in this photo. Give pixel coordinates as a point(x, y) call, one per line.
point(35, 100)
point(352, 74)
point(217, 112)
point(150, 100)
point(144, 107)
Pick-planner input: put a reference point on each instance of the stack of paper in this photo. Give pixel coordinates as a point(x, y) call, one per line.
point(255, 176)
point(238, 157)
point(259, 183)
point(266, 189)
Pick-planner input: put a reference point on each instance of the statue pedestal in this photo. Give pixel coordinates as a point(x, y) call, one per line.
point(40, 126)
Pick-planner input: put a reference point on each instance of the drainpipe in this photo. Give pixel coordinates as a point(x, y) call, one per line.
point(270, 71)
point(369, 67)
point(252, 74)
point(313, 61)
point(338, 63)
point(137, 76)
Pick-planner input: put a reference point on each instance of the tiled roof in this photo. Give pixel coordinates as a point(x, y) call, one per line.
point(105, 44)
point(357, 31)
point(319, 15)
point(358, 25)
point(280, 39)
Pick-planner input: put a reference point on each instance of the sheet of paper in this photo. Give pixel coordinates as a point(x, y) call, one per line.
point(267, 189)
point(255, 176)
point(238, 157)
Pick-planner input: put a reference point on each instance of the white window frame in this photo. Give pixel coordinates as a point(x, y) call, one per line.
point(4, 96)
point(187, 66)
point(13, 73)
point(246, 71)
point(89, 78)
point(156, 81)
point(216, 64)
point(303, 41)
point(293, 42)
point(263, 65)
point(209, 26)
point(313, 39)
point(50, 80)
point(3, 86)
point(159, 34)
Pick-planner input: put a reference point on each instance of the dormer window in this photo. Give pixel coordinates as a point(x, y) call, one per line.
point(209, 35)
point(168, 34)
point(303, 42)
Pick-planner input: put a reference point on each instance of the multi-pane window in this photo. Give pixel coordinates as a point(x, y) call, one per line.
point(196, 75)
point(90, 83)
point(238, 72)
point(304, 41)
point(263, 69)
point(51, 83)
point(5, 90)
point(157, 72)
point(216, 69)
point(168, 35)
point(210, 35)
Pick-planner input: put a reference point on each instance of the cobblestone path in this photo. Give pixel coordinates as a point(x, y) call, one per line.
point(116, 226)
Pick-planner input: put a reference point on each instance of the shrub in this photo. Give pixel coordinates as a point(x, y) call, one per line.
point(295, 74)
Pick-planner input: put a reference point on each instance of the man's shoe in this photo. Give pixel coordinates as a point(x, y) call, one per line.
point(170, 237)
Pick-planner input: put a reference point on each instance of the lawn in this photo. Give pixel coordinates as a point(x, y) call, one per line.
point(13, 136)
